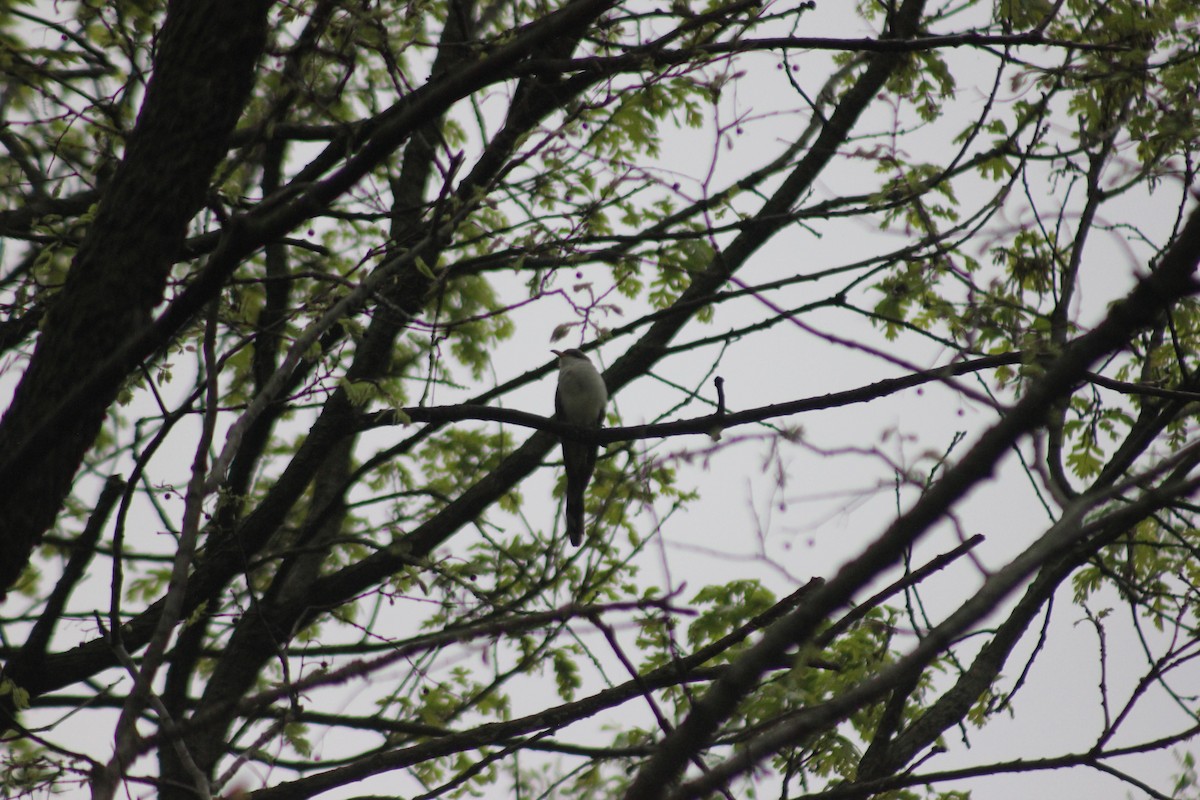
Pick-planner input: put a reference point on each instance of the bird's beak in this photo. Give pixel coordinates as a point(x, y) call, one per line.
point(557, 353)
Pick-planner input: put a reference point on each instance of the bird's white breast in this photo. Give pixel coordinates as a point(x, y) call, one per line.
point(582, 393)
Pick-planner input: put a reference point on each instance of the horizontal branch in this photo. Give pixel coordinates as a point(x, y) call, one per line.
point(638, 57)
point(708, 424)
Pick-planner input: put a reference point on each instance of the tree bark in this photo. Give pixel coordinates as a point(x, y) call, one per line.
point(202, 76)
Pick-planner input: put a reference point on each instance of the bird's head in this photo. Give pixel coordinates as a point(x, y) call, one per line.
point(566, 356)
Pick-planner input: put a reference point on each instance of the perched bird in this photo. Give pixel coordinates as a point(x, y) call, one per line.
point(580, 400)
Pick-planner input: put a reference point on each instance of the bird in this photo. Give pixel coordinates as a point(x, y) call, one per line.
point(580, 400)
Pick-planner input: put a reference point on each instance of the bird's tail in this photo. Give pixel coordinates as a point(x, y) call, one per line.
point(580, 460)
point(575, 519)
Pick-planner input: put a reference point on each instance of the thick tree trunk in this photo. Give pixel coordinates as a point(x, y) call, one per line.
point(203, 73)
